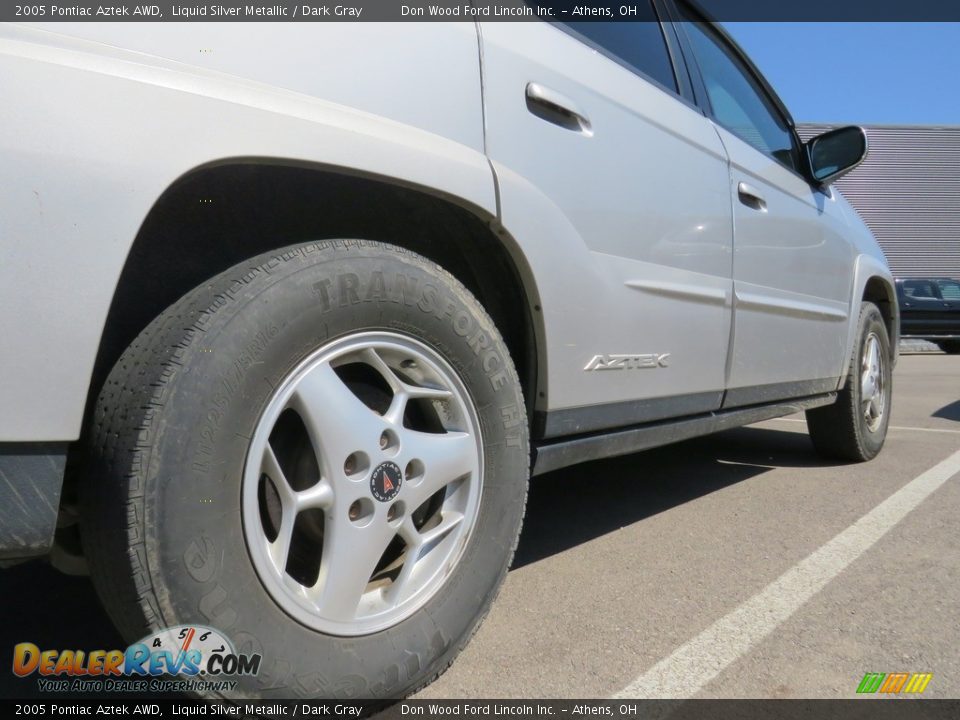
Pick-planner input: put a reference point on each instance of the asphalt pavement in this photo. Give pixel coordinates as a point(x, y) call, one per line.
point(681, 569)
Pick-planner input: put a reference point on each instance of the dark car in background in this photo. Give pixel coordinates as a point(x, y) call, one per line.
point(930, 310)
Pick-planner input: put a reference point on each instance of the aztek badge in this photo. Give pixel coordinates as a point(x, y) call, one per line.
point(385, 481)
point(628, 362)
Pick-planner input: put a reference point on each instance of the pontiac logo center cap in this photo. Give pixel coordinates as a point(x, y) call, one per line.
point(385, 481)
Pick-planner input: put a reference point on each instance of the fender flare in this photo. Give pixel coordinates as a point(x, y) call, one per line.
point(869, 268)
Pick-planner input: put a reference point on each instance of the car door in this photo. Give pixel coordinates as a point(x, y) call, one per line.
point(924, 311)
point(950, 292)
point(793, 266)
point(614, 184)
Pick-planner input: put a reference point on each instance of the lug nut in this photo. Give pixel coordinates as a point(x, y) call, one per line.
point(414, 470)
point(356, 464)
point(384, 440)
point(354, 511)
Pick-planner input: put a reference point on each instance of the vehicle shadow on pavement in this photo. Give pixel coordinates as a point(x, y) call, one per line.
point(577, 504)
point(53, 611)
point(950, 411)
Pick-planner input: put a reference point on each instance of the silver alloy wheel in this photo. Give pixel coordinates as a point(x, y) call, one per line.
point(362, 483)
point(872, 391)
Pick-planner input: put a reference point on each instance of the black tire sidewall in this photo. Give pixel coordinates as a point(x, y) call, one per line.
point(195, 547)
point(871, 441)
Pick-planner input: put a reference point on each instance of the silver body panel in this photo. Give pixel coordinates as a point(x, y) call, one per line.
point(629, 236)
point(94, 133)
point(793, 272)
point(629, 254)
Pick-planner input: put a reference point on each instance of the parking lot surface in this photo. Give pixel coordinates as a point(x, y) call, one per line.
point(737, 565)
point(624, 561)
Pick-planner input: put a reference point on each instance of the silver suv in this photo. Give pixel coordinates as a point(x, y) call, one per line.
point(291, 312)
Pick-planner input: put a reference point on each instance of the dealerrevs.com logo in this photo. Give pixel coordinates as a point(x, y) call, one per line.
point(201, 657)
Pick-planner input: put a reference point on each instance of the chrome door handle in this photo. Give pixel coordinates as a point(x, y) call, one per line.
point(555, 108)
point(751, 197)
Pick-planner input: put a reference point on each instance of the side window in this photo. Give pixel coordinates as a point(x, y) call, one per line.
point(739, 102)
point(919, 290)
point(638, 45)
point(949, 289)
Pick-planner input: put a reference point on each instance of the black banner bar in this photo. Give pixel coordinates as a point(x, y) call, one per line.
point(867, 709)
point(470, 10)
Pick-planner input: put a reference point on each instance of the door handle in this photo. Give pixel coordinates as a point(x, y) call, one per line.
point(751, 197)
point(555, 108)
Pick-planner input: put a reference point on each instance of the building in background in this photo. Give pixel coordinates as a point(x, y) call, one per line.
point(908, 193)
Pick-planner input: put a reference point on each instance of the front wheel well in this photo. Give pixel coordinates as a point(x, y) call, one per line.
point(217, 216)
point(879, 292)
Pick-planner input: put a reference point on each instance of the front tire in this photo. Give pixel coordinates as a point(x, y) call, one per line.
point(950, 347)
point(321, 453)
point(855, 426)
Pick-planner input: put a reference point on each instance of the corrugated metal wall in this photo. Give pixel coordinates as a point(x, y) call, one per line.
point(908, 193)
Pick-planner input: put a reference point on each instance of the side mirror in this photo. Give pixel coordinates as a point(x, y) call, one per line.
point(836, 152)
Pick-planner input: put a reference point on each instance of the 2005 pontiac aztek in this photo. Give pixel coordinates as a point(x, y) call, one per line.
point(291, 312)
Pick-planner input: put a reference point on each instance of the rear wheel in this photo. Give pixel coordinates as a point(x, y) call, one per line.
point(855, 426)
point(322, 454)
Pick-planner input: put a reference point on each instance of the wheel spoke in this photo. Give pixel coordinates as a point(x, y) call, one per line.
point(398, 406)
point(271, 468)
point(445, 457)
point(372, 358)
point(318, 496)
point(405, 394)
point(874, 356)
point(279, 549)
point(350, 555)
point(336, 420)
point(428, 393)
point(402, 392)
point(417, 543)
point(402, 586)
point(448, 521)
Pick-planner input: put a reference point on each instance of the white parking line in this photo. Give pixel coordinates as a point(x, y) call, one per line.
point(691, 666)
point(891, 427)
